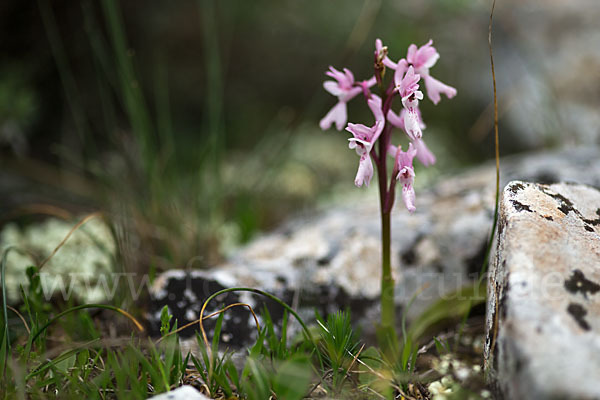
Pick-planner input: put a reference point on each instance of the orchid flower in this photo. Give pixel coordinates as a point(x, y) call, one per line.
point(423, 58)
point(364, 139)
point(345, 89)
point(424, 155)
point(406, 175)
point(408, 88)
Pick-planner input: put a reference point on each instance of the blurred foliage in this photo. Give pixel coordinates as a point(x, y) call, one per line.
point(196, 122)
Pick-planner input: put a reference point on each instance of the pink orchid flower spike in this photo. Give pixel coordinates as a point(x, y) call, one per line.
point(406, 175)
point(345, 89)
point(363, 141)
point(423, 58)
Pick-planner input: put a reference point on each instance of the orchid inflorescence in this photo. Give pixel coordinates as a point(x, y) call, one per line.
point(407, 75)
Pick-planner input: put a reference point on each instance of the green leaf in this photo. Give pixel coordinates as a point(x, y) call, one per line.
point(217, 334)
point(452, 306)
point(165, 321)
point(293, 378)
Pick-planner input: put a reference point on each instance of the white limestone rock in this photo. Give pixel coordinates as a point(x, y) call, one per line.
point(81, 267)
point(543, 312)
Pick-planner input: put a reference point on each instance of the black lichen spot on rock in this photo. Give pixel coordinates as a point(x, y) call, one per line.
point(548, 217)
point(594, 222)
point(516, 187)
point(566, 205)
point(520, 206)
point(578, 313)
point(409, 256)
point(579, 283)
point(589, 228)
point(181, 306)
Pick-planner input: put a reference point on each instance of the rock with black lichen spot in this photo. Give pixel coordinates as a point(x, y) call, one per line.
point(543, 311)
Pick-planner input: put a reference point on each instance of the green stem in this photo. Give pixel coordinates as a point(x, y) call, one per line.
point(386, 332)
point(387, 281)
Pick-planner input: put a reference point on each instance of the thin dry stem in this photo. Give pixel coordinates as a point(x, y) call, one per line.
point(20, 317)
point(42, 209)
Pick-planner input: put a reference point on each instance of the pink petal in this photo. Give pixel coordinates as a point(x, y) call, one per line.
point(360, 131)
point(365, 171)
point(371, 81)
point(389, 63)
point(375, 105)
point(349, 77)
point(412, 127)
point(405, 159)
point(401, 69)
point(378, 128)
point(426, 56)
point(408, 195)
point(335, 74)
point(349, 94)
point(425, 156)
point(333, 88)
point(411, 53)
point(395, 119)
point(435, 87)
point(338, 115)
point(409, 83)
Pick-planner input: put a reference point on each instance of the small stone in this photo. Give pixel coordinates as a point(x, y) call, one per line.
point(185, 392)
point(543, 311)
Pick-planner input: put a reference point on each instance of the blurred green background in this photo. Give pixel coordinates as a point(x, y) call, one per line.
point(194, 124)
